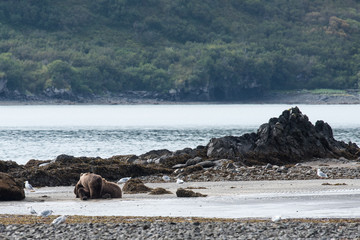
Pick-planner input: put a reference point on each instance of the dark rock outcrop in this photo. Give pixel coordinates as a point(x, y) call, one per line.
point(290, 138)
point(10, 189)
point(65, 170)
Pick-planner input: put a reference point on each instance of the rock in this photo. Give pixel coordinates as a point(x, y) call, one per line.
point(193, 161)
point(132, 158)
point(206, 164)
point(155, 154)
point(10, 190)
point(230, 166)
point(35, 163)
point(188, 193)
point(135, 185)
point(8, 166)
point(268, 166)
point(287, 139)
point(192, 169)
point(181, 165)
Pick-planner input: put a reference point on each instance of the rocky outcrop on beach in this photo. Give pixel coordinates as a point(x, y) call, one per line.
point(10, 189)
point(273, 152)
point(290, 138)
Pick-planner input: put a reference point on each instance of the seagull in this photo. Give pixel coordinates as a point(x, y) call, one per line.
point(179, 181)
point(59, 220)
point(276, 218)
point(166, 178)
point(45, 213)
point(124, 180)
point(321, 174)
point(32, 211)
point(29, 187)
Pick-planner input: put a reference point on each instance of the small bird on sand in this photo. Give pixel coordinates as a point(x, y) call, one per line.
point(276, 218)
point(29, 187)
point(59, 220)
point(179, 181)
point(45, 213)
point(166, 178)
point(32, 211)
point(321, 174)
point(124, 180)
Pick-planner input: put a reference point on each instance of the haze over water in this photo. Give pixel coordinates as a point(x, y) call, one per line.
point(46, 131)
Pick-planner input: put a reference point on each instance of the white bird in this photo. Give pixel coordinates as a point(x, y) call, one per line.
point(59, 220)
point(179, 181)
point(32, 211)
point(276, 218)
point(45, 213)
point(321, 174)
point(166, 178)
point(124, 180)
point(29, 187)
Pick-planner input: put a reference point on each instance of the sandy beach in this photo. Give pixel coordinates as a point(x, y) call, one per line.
point(322, 198)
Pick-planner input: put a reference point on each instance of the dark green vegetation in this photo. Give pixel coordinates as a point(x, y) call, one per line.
point(208, 50)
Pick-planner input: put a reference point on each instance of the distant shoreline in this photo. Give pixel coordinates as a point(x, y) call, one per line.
point(291, 97)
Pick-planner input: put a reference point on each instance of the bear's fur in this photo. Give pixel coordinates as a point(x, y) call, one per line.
point(110, 189)
point(94, 186)
point(89, 185)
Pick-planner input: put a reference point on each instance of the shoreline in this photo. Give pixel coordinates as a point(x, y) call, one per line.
point(292, 97)
point(266, 226)
point(297, 199)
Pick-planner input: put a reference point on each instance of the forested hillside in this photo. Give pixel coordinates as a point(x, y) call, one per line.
point(207, 50)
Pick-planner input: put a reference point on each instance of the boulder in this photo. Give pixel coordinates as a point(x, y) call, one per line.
point(287, 139)
point(206, 164)
point(193, 161)
point(192, 169)
point(10, 189)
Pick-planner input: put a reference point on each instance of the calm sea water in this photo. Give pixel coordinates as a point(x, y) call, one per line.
point(44, 132)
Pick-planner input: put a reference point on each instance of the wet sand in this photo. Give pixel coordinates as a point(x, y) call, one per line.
point(241, 199)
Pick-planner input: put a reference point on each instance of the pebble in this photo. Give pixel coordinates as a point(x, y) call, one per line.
point(284, 229)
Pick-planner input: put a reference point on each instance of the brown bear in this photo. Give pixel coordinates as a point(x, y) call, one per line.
point(110, 190)
point(93, 186)
point(89, 186)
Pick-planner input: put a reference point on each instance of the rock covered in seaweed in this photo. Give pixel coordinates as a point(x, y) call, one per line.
point(10, 189)
point(287, 139)
point(134, 186)
point(181, 192)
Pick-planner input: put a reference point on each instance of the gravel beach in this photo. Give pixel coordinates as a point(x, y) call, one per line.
point(188, 229)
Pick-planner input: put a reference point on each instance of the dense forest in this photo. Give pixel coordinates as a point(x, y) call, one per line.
point(209, 49)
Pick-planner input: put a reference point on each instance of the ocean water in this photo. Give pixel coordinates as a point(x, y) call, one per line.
point(45, 131)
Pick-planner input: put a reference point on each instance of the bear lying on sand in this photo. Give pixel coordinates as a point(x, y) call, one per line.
point(94, 186)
